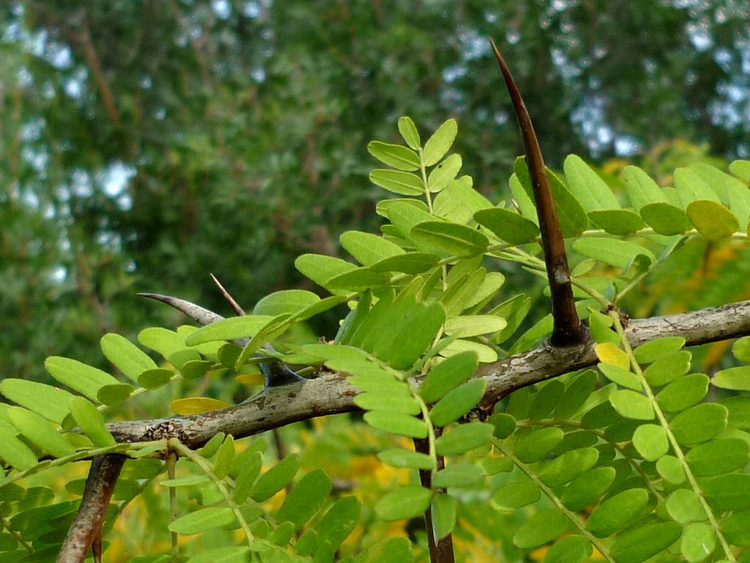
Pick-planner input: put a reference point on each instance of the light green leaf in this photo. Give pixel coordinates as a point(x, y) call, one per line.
point(408, 263)
point(570, 549)
point(169, 344)
point(618, 253)
point(271, 330)
point(154, 378)
point(651, 441)
point(727, 492)
point(722, 455)
point(632, 404)
point(683, 393)
point(684, 506)
point(641, 189)
point(246, 477)
point(394, 155)
point(85, 379)
point(521, 198)
point(444, 173)
point(339, 521)
point(458, 475)
point(447, 375)
point(321, 268)
point(126, 356)
point(14, 451)
point(568, 466)
point(507, 225)
point(228, 329)
point(48, 401)
point(737, 378)
point(228, 554)
point(451, 238)
point(189, 481)
point(741, 349)
point(358, 279)
point(587, 186)
point(89, 419)
point(464, 438)
point(484, 353)
point(40, 432)
point(698, 542)
point(732, 192)
point(620, 222)
point(457, 402)
point(474, 325)
point(712, 220)
point(671, 469)
point(538, 444)
point(403, 183)
point(699, 424)
point(444, 513)
point(305, 499)
point(621, 376)
point(411, 339)
point(667, 368)
point(543, 527)
point(587, 487)
point(517, 494)
point(396, 423)
point(438, 145)
point(641, 543)
point(386, 402)
point(399, 457)
point(275, 479)
point(288, 301)
point(690, 187)
point(409, 132)
point(459, 202)
point(665, 218)
point(408, 501)
point(368, 248)
point(202, 520)
point(617, 512)
point(404, 216)
point(654, 349)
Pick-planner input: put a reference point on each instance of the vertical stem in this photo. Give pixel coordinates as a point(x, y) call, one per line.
point(171, 466)
point(568, 329)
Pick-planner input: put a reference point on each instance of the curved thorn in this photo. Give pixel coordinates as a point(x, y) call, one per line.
point(195, 312)
point(567, 329)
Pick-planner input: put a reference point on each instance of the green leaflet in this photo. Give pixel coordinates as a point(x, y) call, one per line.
point(459, 202)
point(507, 225)
point(438, 145)
point(398, 457)
point(683, 393)
point(396, 423)
point(741, 349)
point(305, 499)
point(517, 494)
point(275, 479)
point(666, 369)
point(737, 378)
point(641, 189)
point(641, 543)
point(408, 263)
point(588, 487)
point(404, 215)
point(126, 356)
point(618, 253)
point(732, 192)
point(288, 301)
point(615, 513)
point(358, 279)
point(339, 521)
point(632, 404)
point(570, 549)
point(398, 182)
point(651, 441)
point(458, 475)
point(40, 432)
point(577, 391)
point(79, 376)
point(727, 492)
point(14, 451)
point(544, 526)
point(449, 238)
point(683, 506)
point(654, 349)
point(228, 554)
point(169, 344)
point(719, 456)
point(568, 466)
point(665, 218)
point(620, 222)
point(522, 199)
point(444, 173)
point(408, 501)
point(228, 329)
point(699, 424)
point(587, 186)
point(202, 520)
point(409, 132)
point(457, 402)
point(546, 399)
point(463, 438)
point(474, 325)
point(368, 248)
point(394, 155)
point(698, 542)
point(48, 401)
point(691, 187)
point(447, 375)
point(321, 268)
point(538, 444)
point(712, 220)
point(444, 513)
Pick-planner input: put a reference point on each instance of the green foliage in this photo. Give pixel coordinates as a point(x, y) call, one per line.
point(638, 464)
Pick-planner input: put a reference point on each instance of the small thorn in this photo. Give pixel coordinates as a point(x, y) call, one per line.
point(235, 306)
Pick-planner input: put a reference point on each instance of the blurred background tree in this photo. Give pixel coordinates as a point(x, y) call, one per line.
point(144, 144)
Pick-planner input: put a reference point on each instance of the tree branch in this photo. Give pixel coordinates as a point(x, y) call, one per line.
point(329, 393)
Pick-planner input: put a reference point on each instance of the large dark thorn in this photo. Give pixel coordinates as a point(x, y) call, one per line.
point(568, 329)
point(275, 373)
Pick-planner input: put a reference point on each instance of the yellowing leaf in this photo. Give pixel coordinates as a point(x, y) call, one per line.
point(251, 379)
point(196, 405)
point(608, 353)
point(712, 220)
